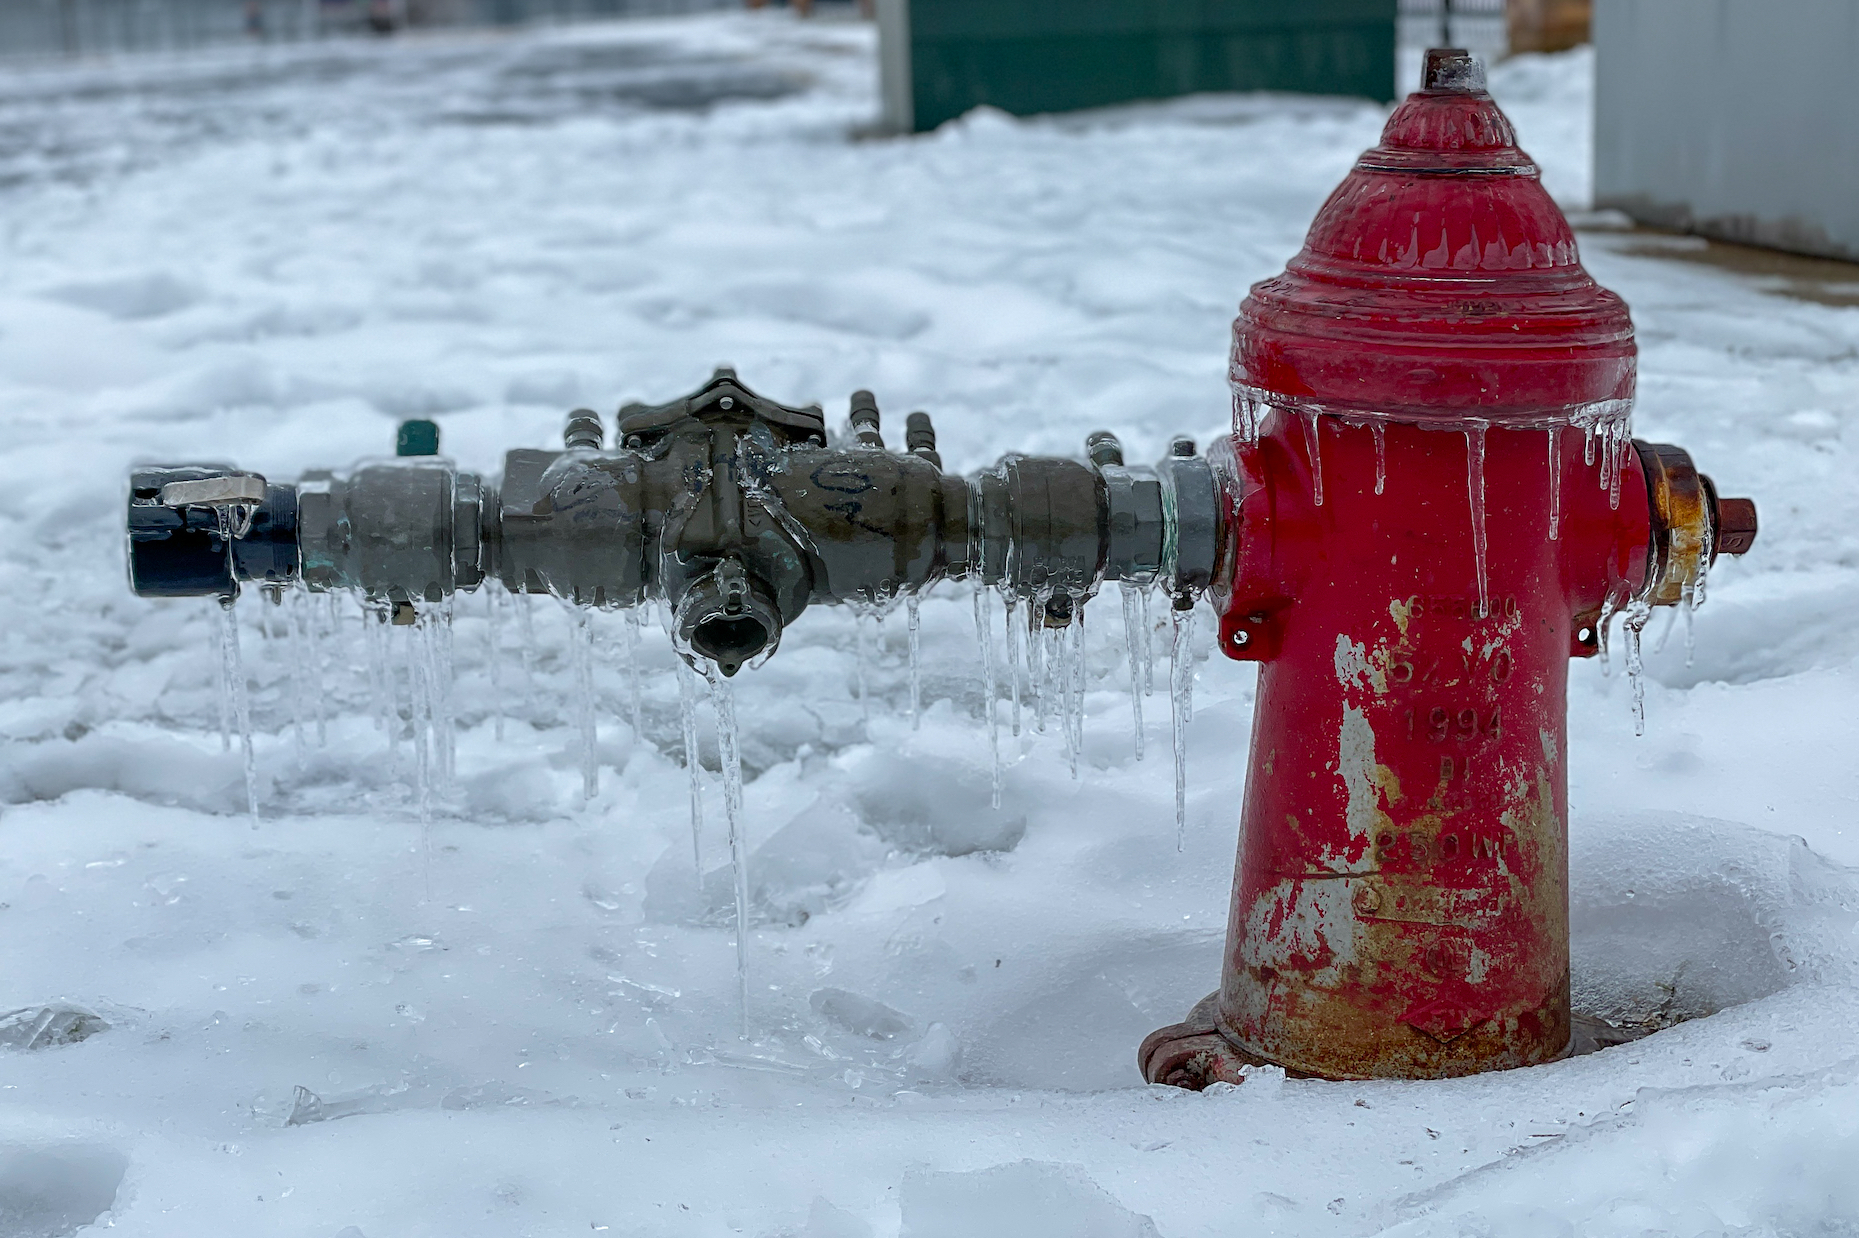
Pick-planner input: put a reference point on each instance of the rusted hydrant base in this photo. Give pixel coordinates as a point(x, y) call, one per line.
point(1192, 1054)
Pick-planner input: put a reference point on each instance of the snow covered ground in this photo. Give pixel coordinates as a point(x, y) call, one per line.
point(312, 1029)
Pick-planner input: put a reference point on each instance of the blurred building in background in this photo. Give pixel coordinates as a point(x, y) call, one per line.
point(1737, 119)
point(100, 27)
point(942, 57)
point(1547, 25)
point(939, 57)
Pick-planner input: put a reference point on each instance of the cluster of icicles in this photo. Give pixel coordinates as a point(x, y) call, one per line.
point(1607, 437)
point(1038, 685)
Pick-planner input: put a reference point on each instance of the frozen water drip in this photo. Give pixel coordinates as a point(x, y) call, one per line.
point(1148, 641)
point(1475, 493)
point(581, 655)
point(1037, 659)
point(1013, 634)
point(526, 637)
point(238, 703)
point(915, 622)
point(634, 689)
point(984, 634)
point(436, 632)
point(1609, 605)
point(729, 754)
point(495, 600)
point(302, 609)
point(1313, 438)
point(1637, 613)
point(1133, 640)
point(1555, 482)
point(294, 658)
point(1073, 634)
point(693, 769)
point(862, 655)
point(1181, 701)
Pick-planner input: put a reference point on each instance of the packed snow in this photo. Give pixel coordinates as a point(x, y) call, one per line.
point(521, 1015)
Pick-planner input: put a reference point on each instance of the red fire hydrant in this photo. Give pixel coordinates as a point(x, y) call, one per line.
point(1434, 504)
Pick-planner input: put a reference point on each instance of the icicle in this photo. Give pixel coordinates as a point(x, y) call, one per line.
point(861, 657)
point(730, 757)
point(380, 680)
point(1148, 643)
point(1313, 437)
point(1555, 482)
point(232, 677)
point(1060, 679)
point(307, 654)
point(1688, 604)
point(222, 686)
point(984, 633)
point(916, 666)
point(1037, 661)
point(634, 693)
point(309, 615)
point(1475, 490)
point(328, 627)
point(1246, 414)
point(1381, 455)
point(419, 719)
point(1181, 697)
point(1617, 437)
point(493, 625)
point(526, 635)
point(1665, 633)
point(294, 658)
point(1074, 635)
point(581, 654)
point(1013, 634)
point(687, 718)
point(1133, 638)
point(1638, 612)
point(442, 673)
point(1601, 626)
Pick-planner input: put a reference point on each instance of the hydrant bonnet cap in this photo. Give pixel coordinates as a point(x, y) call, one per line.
point(1438, 282)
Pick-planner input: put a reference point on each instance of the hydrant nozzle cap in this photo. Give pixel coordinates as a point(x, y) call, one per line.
point(1452, 70)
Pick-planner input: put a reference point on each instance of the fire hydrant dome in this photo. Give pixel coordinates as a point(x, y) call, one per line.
point(1439, 281)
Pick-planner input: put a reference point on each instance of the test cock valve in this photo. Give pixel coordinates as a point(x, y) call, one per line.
point(1429, 503)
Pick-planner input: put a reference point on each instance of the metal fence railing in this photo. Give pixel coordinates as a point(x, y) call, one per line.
point(40, 28)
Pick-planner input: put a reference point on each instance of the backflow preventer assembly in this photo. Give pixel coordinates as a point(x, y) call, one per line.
point(1429, 503)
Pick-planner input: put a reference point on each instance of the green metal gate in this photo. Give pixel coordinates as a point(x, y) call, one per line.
point(943, 57)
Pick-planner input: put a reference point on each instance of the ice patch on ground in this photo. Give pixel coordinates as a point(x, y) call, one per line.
point(1015, 1201)
point(1675, 918)
point(44, 1027)
point(1748, 1160)
point(55, 1190)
